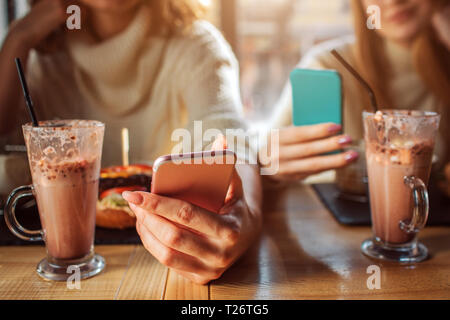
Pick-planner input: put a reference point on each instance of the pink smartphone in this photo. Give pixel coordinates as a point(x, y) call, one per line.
point(201, 178)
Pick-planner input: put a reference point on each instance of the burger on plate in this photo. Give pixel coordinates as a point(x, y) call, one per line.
point(113, 211)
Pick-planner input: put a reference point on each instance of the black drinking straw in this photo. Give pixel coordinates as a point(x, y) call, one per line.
point(373, 99)
point(26, 94)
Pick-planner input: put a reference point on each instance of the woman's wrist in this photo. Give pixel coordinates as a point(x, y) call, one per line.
point(17, 44)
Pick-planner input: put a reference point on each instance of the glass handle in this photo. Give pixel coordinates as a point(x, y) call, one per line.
point(10, 215)
point(420, 203)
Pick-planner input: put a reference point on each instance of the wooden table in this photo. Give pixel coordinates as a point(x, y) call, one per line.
point(303, 253)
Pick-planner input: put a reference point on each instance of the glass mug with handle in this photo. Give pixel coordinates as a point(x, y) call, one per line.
point(65, 159)
point(399, 151)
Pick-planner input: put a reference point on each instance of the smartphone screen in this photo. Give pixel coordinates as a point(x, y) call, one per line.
point(317, 97)
point(200, 178)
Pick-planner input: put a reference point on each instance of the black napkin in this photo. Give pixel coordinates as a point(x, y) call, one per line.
point(350, 212)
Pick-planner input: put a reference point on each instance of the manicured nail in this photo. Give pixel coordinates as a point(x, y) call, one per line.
point(334, 128)
point(133, 197)
point(345, 140)
point(351, 155)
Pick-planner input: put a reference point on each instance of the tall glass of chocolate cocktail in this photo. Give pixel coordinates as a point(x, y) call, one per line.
point(399, 151)
point(64, 158)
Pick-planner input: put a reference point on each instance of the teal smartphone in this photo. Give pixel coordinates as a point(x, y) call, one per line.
point(317, 97)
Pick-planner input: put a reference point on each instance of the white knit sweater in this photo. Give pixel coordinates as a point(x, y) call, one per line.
point(151, 85)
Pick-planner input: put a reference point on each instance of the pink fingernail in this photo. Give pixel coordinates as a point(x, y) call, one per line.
point(334, 128)
point(133, 197)
point(345, 140)
point(351, 155)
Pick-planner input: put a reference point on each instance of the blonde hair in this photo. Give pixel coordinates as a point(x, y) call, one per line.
point(169, 17)
point(172, 16)
point(430, 57)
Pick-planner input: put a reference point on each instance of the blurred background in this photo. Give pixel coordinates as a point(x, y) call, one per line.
point(269, 37)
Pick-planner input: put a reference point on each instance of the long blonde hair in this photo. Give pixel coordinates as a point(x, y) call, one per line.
point(169, 17)
point(430, 57)
point(172, 16)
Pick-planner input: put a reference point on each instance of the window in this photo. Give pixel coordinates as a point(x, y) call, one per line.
point(3, 19)
point(10, 10)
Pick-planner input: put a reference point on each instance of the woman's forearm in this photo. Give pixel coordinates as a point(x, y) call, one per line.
point(252, 188)
point(10, 94)
point(24, 34)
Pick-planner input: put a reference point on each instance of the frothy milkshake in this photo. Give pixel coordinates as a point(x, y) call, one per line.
point(66, 195)
point(65, 167)
point(390, 199)
point(399, 151)
point(64, 158)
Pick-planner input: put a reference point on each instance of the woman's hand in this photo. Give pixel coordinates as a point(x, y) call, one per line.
point(198, 244)
point(43, 19)
point(300, 151)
